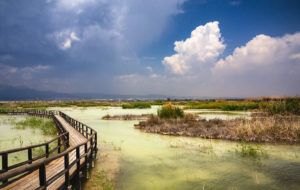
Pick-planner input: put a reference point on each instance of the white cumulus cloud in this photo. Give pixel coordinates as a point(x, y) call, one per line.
point(264, 66)
point(272, 54)
point(204, 46)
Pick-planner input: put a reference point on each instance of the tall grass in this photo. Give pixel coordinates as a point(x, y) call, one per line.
point(47, 126)
point(248, 150)
point(223, 105)
point(136, 105)
point(169, 111)
point(284, 107)
point(267, 129)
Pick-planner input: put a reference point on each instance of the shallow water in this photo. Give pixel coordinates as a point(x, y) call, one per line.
point(11, 138)
point(151, 161)
point(217, 114)
point(14, 138)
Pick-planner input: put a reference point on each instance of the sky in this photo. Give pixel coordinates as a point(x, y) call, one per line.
point(215, 48)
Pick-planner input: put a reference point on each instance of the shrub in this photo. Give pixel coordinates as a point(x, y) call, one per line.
point(138, 105)
point(169, 111)
point(283, 107)
point(248, 150)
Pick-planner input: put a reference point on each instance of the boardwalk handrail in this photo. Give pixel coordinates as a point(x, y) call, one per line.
point(62, 141)
point(35, 112)
point(40, 165)
point(79, 126)
point(89, 153)
point(30, 156)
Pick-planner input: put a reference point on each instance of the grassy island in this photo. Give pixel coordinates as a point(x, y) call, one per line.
point(281, 125)
point(136, 105)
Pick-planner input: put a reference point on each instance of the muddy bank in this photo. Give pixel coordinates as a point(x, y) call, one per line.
point(126, 117)
point(267, 129)
point(103, 176)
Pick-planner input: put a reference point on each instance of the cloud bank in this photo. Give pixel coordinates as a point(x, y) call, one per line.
point(83, 41)
point(263, 66)
point(99, 46)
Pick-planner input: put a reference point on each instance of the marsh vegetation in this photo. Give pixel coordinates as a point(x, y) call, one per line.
point(181, 162)
point(21, 131)
point(270, 129)
point(283, 127)
point(126, 117)
point(250, 150)
point(136, 105)
point(47, 126)
point(152, 161)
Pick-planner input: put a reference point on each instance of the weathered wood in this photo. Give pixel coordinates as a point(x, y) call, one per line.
point(42, 175)
point(58, 170)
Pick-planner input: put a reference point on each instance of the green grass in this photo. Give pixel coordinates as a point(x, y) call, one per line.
point(284, 107)
point(219, 112)
point(136, 105)
point(248, 150)
point(223, 105)
point(47, 126)
point(169, 111)
point(287, 105)
point(47, 104)
point(100, 180)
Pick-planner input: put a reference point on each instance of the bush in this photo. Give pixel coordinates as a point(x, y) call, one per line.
point(248, 150)
point(224, 105)
point(169, 111)
point(284, 107)
point(138, 105)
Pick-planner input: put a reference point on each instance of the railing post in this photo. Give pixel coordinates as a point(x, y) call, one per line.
point(4, 164)
point(86, 132)
point(96, 144)
point(47, 150)
point(85, 161)
point(78, 168)
point(92, 150)
point(30, 155)
point(59, 145)
point(42, 175)
point(78, 158)
point(67, 176)
point(68, 140)
point(4, 161)
point(66, 145)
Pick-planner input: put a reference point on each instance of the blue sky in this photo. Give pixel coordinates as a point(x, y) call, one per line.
point(238, 47)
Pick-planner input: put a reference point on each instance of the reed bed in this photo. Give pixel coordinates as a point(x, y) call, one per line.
point(261, 129)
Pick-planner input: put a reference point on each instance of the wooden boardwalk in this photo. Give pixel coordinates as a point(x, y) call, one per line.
point(57, 174)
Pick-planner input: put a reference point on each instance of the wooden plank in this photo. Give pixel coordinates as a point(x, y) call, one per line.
point(31, 181)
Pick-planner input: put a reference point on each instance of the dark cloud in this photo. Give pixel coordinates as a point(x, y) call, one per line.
point(83, 42)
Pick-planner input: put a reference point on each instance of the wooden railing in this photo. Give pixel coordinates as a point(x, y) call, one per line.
point(62, 143)
point(33, 112)
point(29, 149)
point(79, 157)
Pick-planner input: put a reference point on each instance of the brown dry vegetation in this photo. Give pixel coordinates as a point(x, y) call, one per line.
point(262, 129)
point(126, 117)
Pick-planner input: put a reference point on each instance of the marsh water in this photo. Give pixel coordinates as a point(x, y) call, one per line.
point(151, 161)
point(11, 137)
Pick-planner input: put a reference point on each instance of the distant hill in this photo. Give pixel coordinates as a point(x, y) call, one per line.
point(22, 93)
point(8, 93)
